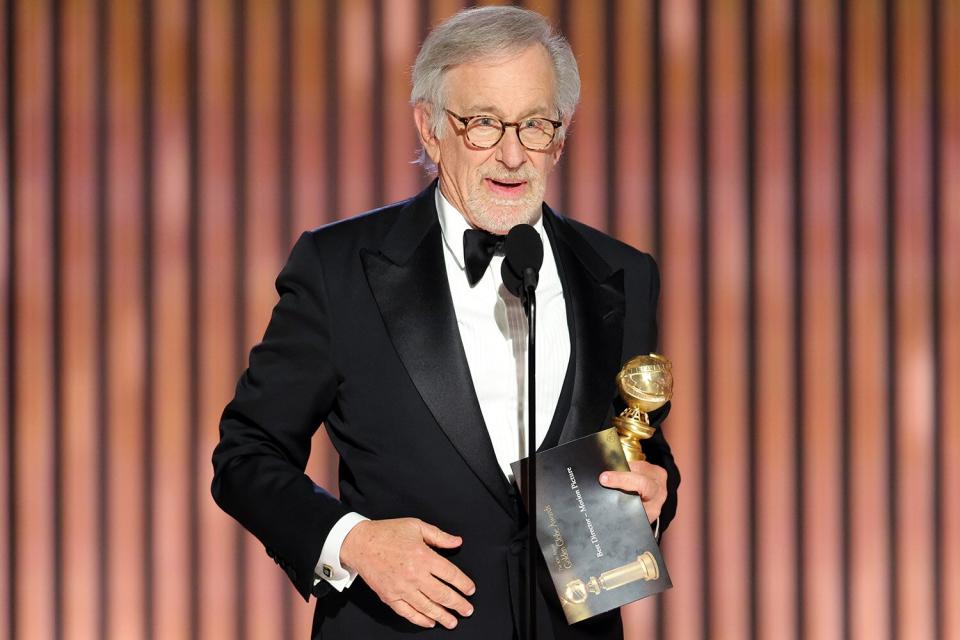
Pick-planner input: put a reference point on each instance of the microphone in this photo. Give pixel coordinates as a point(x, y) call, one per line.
point(522, 259)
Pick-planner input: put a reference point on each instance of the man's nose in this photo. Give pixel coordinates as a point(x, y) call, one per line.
point(509, 151)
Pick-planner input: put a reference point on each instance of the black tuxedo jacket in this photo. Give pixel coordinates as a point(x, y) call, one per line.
point(364, 339)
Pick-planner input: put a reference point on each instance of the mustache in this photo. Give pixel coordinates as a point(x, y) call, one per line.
point(519, 176)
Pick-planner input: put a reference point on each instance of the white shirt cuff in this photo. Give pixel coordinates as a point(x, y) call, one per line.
point(329, 567)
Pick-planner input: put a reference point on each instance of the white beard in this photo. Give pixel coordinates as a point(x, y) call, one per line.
point(499, 215)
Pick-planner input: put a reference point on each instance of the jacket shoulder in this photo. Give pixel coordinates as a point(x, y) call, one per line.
point(364, 228)
point(618, 254)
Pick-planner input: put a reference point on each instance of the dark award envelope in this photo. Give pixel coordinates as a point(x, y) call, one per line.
point(597, 542)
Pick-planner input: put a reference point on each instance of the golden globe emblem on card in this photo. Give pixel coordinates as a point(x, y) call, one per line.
point(643, 568)
point(646, 384)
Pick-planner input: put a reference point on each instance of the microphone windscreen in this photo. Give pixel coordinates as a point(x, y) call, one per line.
point(523, 248)
point(522, 251)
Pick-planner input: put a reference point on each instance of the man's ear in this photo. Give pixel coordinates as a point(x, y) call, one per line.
point(430, 142)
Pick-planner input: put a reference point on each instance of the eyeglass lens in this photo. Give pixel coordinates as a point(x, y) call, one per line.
point(535, 133)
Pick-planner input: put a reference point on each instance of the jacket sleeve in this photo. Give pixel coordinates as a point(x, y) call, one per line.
point(285, 393)
point(656, 448)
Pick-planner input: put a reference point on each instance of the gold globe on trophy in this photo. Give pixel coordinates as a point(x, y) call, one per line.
point(646, 384)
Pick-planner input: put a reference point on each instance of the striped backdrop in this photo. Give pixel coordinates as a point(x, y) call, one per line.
point(793, 164)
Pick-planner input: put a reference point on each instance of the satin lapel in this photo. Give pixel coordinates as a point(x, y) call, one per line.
point(408, 279)
point(597, 304)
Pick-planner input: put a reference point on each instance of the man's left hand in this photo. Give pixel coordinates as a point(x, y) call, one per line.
point(645, 479)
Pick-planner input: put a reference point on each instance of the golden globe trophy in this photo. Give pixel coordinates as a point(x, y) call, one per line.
point(646, 384)
point(597, 543)
point(643, 568)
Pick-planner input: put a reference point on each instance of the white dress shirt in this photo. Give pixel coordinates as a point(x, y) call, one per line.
point(493, 330)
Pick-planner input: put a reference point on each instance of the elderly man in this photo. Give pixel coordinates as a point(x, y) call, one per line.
point(394, 330)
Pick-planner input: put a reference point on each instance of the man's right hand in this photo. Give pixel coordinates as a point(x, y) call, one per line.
point(394, 559)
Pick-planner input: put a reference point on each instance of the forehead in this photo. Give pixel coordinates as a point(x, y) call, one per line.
point(509, 86)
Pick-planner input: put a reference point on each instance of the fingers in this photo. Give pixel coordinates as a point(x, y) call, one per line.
point(431, 609)
point(646, 480)
point(451, 574)
point(436, 537)
point(430, 603)
point(406, 611)
point(443, 595)
point(628, 481)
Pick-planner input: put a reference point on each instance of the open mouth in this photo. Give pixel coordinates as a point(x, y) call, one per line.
point(506, 187)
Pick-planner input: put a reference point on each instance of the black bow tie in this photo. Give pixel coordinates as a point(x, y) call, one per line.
point(479, 247)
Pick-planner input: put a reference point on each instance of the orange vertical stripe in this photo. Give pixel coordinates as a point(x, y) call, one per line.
point(728, 329)
point(821, 471)
point(311, 95)
point(33, 422)
point(402, 179)
point(775, 298)
point(585, 160)
point(170, 286)
point(914, 383)
point(950, 322)
point(80, 454)
point(354, 93)
point(633, 33)
point(126, 322)
point(870, 575)
point(6, 375)
point(265, 584)
point(440, 10)
point(218, 376)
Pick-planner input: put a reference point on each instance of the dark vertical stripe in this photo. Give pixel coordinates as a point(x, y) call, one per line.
point(56, 288)
point(563, 169)
point(799, 304)
point(610, 59)
point(656, 138)
point(704, 409)
point(844, 359)
point(194, 389)
point(239, 64)
point(147, 96)
point(750, 186)
point(10, 82)
point(423, 20)
point(102, 145)
point(377, 128)
point(934, 38)
point(890, 309)
point(331, 164)
point(285, 148)
point(287, 142)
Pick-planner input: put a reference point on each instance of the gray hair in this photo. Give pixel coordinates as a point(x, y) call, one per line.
point(489, 32)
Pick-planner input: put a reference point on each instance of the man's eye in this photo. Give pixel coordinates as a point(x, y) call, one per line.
point(483, 121)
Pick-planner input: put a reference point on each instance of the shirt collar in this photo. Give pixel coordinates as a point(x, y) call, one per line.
point(453, 224)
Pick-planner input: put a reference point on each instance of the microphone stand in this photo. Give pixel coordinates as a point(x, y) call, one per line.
point(528, 298)
point(523, 256)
